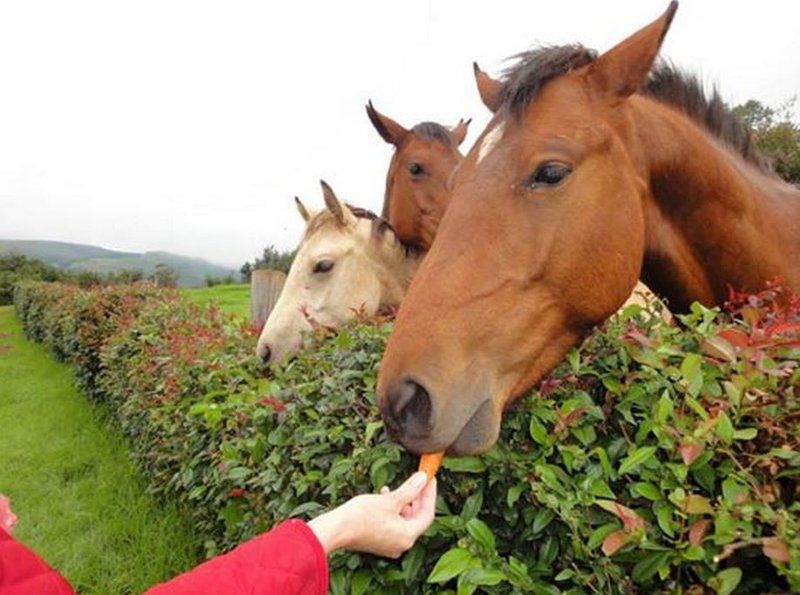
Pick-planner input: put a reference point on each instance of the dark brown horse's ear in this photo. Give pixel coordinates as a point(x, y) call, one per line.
point(389, 130)
point(459, 131)
point(301, 208)
point(623, 69)
point(489, 89)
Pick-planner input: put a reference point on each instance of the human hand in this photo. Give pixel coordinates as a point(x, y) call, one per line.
point(386, 524)
point(7, 518)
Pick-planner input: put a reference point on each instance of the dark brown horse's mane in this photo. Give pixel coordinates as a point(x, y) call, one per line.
point(433, 131)
point(666, 83)
point(380, 226)
point(684, 90)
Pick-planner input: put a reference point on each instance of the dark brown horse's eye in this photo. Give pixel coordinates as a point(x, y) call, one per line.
point(549, 174)
point(415, 169)
point(323, 266)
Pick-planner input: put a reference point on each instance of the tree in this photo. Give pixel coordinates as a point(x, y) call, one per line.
point(271, 258)
point(16, 267)
point(777, 135)
point(164, 276)
point(125, 276)
point(247, 271)
point(754, 114)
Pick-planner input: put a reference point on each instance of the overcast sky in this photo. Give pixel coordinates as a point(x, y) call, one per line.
point(189, 126)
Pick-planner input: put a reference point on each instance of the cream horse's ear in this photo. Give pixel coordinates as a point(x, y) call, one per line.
point(301, 208)
point(339, 210)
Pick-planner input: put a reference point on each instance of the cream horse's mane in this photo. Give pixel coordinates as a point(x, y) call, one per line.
point(378, 229)
point(348, 261)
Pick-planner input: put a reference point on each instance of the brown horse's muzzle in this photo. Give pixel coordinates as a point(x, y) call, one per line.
point(426, 416)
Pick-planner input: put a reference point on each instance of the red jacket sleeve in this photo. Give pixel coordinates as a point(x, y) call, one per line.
point(22, 572)
point(289, 560)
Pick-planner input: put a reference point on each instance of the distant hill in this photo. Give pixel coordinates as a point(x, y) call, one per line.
point(192, 272)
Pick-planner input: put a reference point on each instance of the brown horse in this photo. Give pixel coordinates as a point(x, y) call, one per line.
point(416, 204)
point(593, 172)
point(416, 185)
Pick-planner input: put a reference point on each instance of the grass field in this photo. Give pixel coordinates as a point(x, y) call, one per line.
point(231, 298)
point(81, 503)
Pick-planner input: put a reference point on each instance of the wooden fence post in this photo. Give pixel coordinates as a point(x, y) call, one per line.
point(265, 288)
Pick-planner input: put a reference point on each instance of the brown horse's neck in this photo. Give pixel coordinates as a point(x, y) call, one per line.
point(712, 220)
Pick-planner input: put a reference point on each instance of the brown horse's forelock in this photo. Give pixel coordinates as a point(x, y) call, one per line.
point(523, 80)
point(380, 226)
point(433, 131)
point(532, 69)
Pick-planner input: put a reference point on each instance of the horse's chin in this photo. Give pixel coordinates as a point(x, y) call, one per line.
point(480, 432)
point(477, 435)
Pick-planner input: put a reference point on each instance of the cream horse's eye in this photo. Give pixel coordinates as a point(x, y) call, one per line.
point(323, 266)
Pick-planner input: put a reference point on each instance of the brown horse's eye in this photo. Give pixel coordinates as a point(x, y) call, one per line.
point(549, 174)
point(416, 170)
point(323, 266)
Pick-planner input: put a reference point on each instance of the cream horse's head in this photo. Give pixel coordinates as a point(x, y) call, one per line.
point(349, 261)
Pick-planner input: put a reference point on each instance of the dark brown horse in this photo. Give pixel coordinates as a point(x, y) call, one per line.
point(593, 172)
point(416, 185)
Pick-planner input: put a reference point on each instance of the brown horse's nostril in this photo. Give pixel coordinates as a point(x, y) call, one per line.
point(266, 352)
point(409, 410)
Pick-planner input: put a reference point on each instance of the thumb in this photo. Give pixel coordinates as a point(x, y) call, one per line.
point(411, 488)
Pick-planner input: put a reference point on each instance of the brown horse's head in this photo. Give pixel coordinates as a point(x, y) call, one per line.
point(416, 185)
point(542, 240)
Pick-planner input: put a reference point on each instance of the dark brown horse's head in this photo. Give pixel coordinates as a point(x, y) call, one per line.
point(542, 240)
point(416, 185)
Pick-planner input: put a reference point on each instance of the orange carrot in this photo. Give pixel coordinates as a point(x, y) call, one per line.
point(429, 463)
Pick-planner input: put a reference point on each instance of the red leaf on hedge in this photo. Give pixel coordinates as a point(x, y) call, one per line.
point(735, 337)
point(549, 385)
point(629, 518)
point(719, 348)
point(690, 452)
point(569, 419)
point(781, 327)
point(635, 335)
point(776, 549)
point(236, 492)
point(614, 541)
point(274, 403)
point(698, 531)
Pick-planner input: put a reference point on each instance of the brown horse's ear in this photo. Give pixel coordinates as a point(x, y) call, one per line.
point(389, 130)
point(459, 131)
point(489, 89)
point(339, 210)
point(302, 209)
point(623, 69)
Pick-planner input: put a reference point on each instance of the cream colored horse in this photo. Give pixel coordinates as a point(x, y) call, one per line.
point(349, 261)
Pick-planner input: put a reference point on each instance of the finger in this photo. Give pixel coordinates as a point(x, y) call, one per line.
point(411, 488)
point(424, 510)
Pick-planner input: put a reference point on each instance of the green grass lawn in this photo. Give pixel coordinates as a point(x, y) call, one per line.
point(81, 503)
point(230, 298)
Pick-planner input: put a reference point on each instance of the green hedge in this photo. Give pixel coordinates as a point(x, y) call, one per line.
point(656, 457)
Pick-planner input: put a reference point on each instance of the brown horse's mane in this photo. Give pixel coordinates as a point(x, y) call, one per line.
point(666, 83)
point(433, 131)
point(380, 226)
